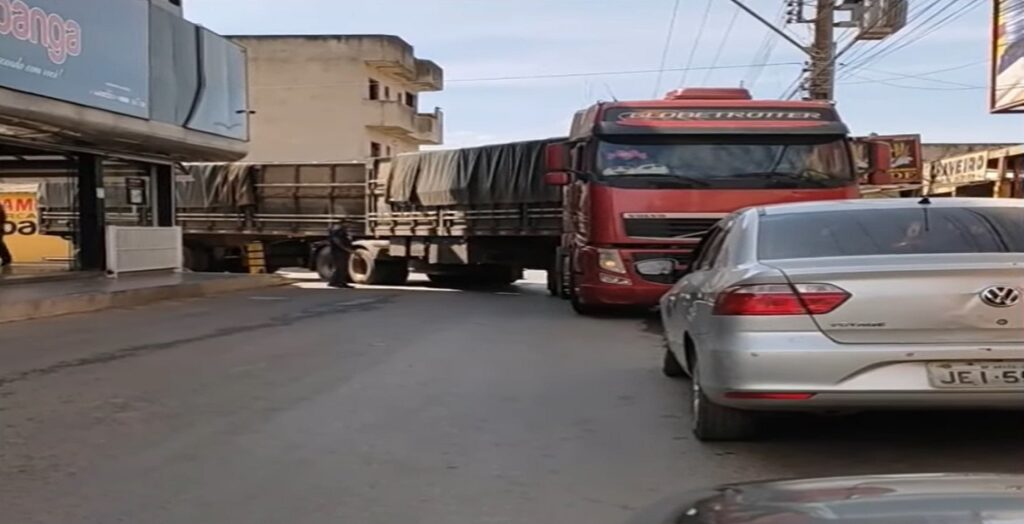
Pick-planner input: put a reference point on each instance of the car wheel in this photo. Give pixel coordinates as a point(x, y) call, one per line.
point(670, 366)
point(712, 422)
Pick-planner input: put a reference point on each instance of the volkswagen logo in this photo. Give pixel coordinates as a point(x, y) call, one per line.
point(1001, 296)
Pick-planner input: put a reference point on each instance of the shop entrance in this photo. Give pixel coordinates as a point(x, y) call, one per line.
point(57, 205)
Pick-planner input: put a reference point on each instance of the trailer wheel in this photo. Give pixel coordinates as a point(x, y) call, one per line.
point(324, 264)
point(364, 268)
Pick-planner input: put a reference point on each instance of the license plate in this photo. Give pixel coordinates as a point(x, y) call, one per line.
point(976, 375)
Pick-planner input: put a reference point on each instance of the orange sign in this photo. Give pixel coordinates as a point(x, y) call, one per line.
point(21, 229)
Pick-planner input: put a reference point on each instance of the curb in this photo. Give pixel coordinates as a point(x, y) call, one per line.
point(90, 302)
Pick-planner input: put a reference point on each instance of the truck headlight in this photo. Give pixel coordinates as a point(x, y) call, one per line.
point(660, 266)
point(609, 260)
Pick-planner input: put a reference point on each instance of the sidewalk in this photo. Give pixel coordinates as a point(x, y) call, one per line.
point(93, 293)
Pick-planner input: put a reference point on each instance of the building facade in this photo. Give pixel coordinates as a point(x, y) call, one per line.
point(99, 100)
point(338, 97)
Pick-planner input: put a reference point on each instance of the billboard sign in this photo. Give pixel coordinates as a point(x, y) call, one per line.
point(907, 163)
point(1006, 86)
point(93, 53)
point(949, 173)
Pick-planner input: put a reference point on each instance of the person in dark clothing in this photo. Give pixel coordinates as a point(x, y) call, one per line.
point(5, 253)
point(341, 248)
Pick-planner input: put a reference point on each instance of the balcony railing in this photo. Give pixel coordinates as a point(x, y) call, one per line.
point(397, 119)
point(430, 128)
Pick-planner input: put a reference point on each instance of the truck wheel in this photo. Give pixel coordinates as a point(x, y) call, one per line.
point(362, 268)
point(565, 278)
point(553, 282)
point(711, 422)
point(324, 264)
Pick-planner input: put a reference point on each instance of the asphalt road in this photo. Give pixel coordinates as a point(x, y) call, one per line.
point(312, 405)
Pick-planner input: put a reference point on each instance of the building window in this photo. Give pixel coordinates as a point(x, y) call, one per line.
point(374, 92)
point(388, 150)
point(410, 99)
point(374, 150)
point(387, 93)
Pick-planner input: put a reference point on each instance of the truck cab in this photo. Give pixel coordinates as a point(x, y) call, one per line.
point(643, 181)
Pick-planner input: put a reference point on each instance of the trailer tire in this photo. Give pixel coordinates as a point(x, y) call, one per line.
point(364, 268)
point(323, 263)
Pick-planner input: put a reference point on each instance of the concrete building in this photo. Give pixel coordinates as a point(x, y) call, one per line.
point(100, 99)
point(338, 97)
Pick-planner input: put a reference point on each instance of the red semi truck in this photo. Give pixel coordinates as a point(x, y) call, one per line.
point(613, 212)
point(643, 181)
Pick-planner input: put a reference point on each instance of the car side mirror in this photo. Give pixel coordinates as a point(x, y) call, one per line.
point(557, 178)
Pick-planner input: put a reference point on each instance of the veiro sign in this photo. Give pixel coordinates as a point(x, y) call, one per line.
point(60, 37)
point(93, 53)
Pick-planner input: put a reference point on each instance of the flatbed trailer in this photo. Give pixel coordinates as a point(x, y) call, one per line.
point(468, 216)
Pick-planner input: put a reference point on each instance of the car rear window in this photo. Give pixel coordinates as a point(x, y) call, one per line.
point(910, 231)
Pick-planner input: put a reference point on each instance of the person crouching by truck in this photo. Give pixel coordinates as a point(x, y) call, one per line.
point(341, 249)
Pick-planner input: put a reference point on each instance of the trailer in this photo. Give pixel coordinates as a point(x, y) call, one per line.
point(473, 216)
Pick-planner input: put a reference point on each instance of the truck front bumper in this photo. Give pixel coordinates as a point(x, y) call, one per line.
point(638, 294)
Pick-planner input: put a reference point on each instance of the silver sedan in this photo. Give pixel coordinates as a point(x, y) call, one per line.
point(850, 305)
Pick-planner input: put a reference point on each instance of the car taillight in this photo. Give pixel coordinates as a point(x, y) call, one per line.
point(780, 299)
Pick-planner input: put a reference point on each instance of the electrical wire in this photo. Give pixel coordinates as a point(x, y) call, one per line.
point(696, 43)
point(665, 49)
point(909, 27)
point(721, 45)
point(926, 76)
point(920, 32)
point(538, 77)
point(764, 52)
point(942, 23)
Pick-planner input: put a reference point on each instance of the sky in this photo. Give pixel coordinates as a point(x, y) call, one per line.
point(920, 82)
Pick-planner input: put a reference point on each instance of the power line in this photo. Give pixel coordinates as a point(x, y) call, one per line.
point(721, 45)
point(541, 77)
point(696, 43)
point(927, 75)
point(665, 49)
point(918, 33)
point(940, 24)
point(908, 27)
point(764, 51)
point(888, 82)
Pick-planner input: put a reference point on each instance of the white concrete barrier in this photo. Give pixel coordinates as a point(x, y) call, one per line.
point(131, 249)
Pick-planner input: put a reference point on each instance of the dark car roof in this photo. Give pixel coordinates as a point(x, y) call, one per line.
point(883, 499)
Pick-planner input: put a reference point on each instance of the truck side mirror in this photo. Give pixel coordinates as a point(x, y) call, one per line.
point(880, 158)
point(557, 178)
point(556, 158)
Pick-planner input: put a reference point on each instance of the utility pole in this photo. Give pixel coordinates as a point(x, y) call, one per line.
point(821, 83)
point(872, 19)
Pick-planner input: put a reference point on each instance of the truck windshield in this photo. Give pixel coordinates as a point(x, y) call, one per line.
point(725, 162)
